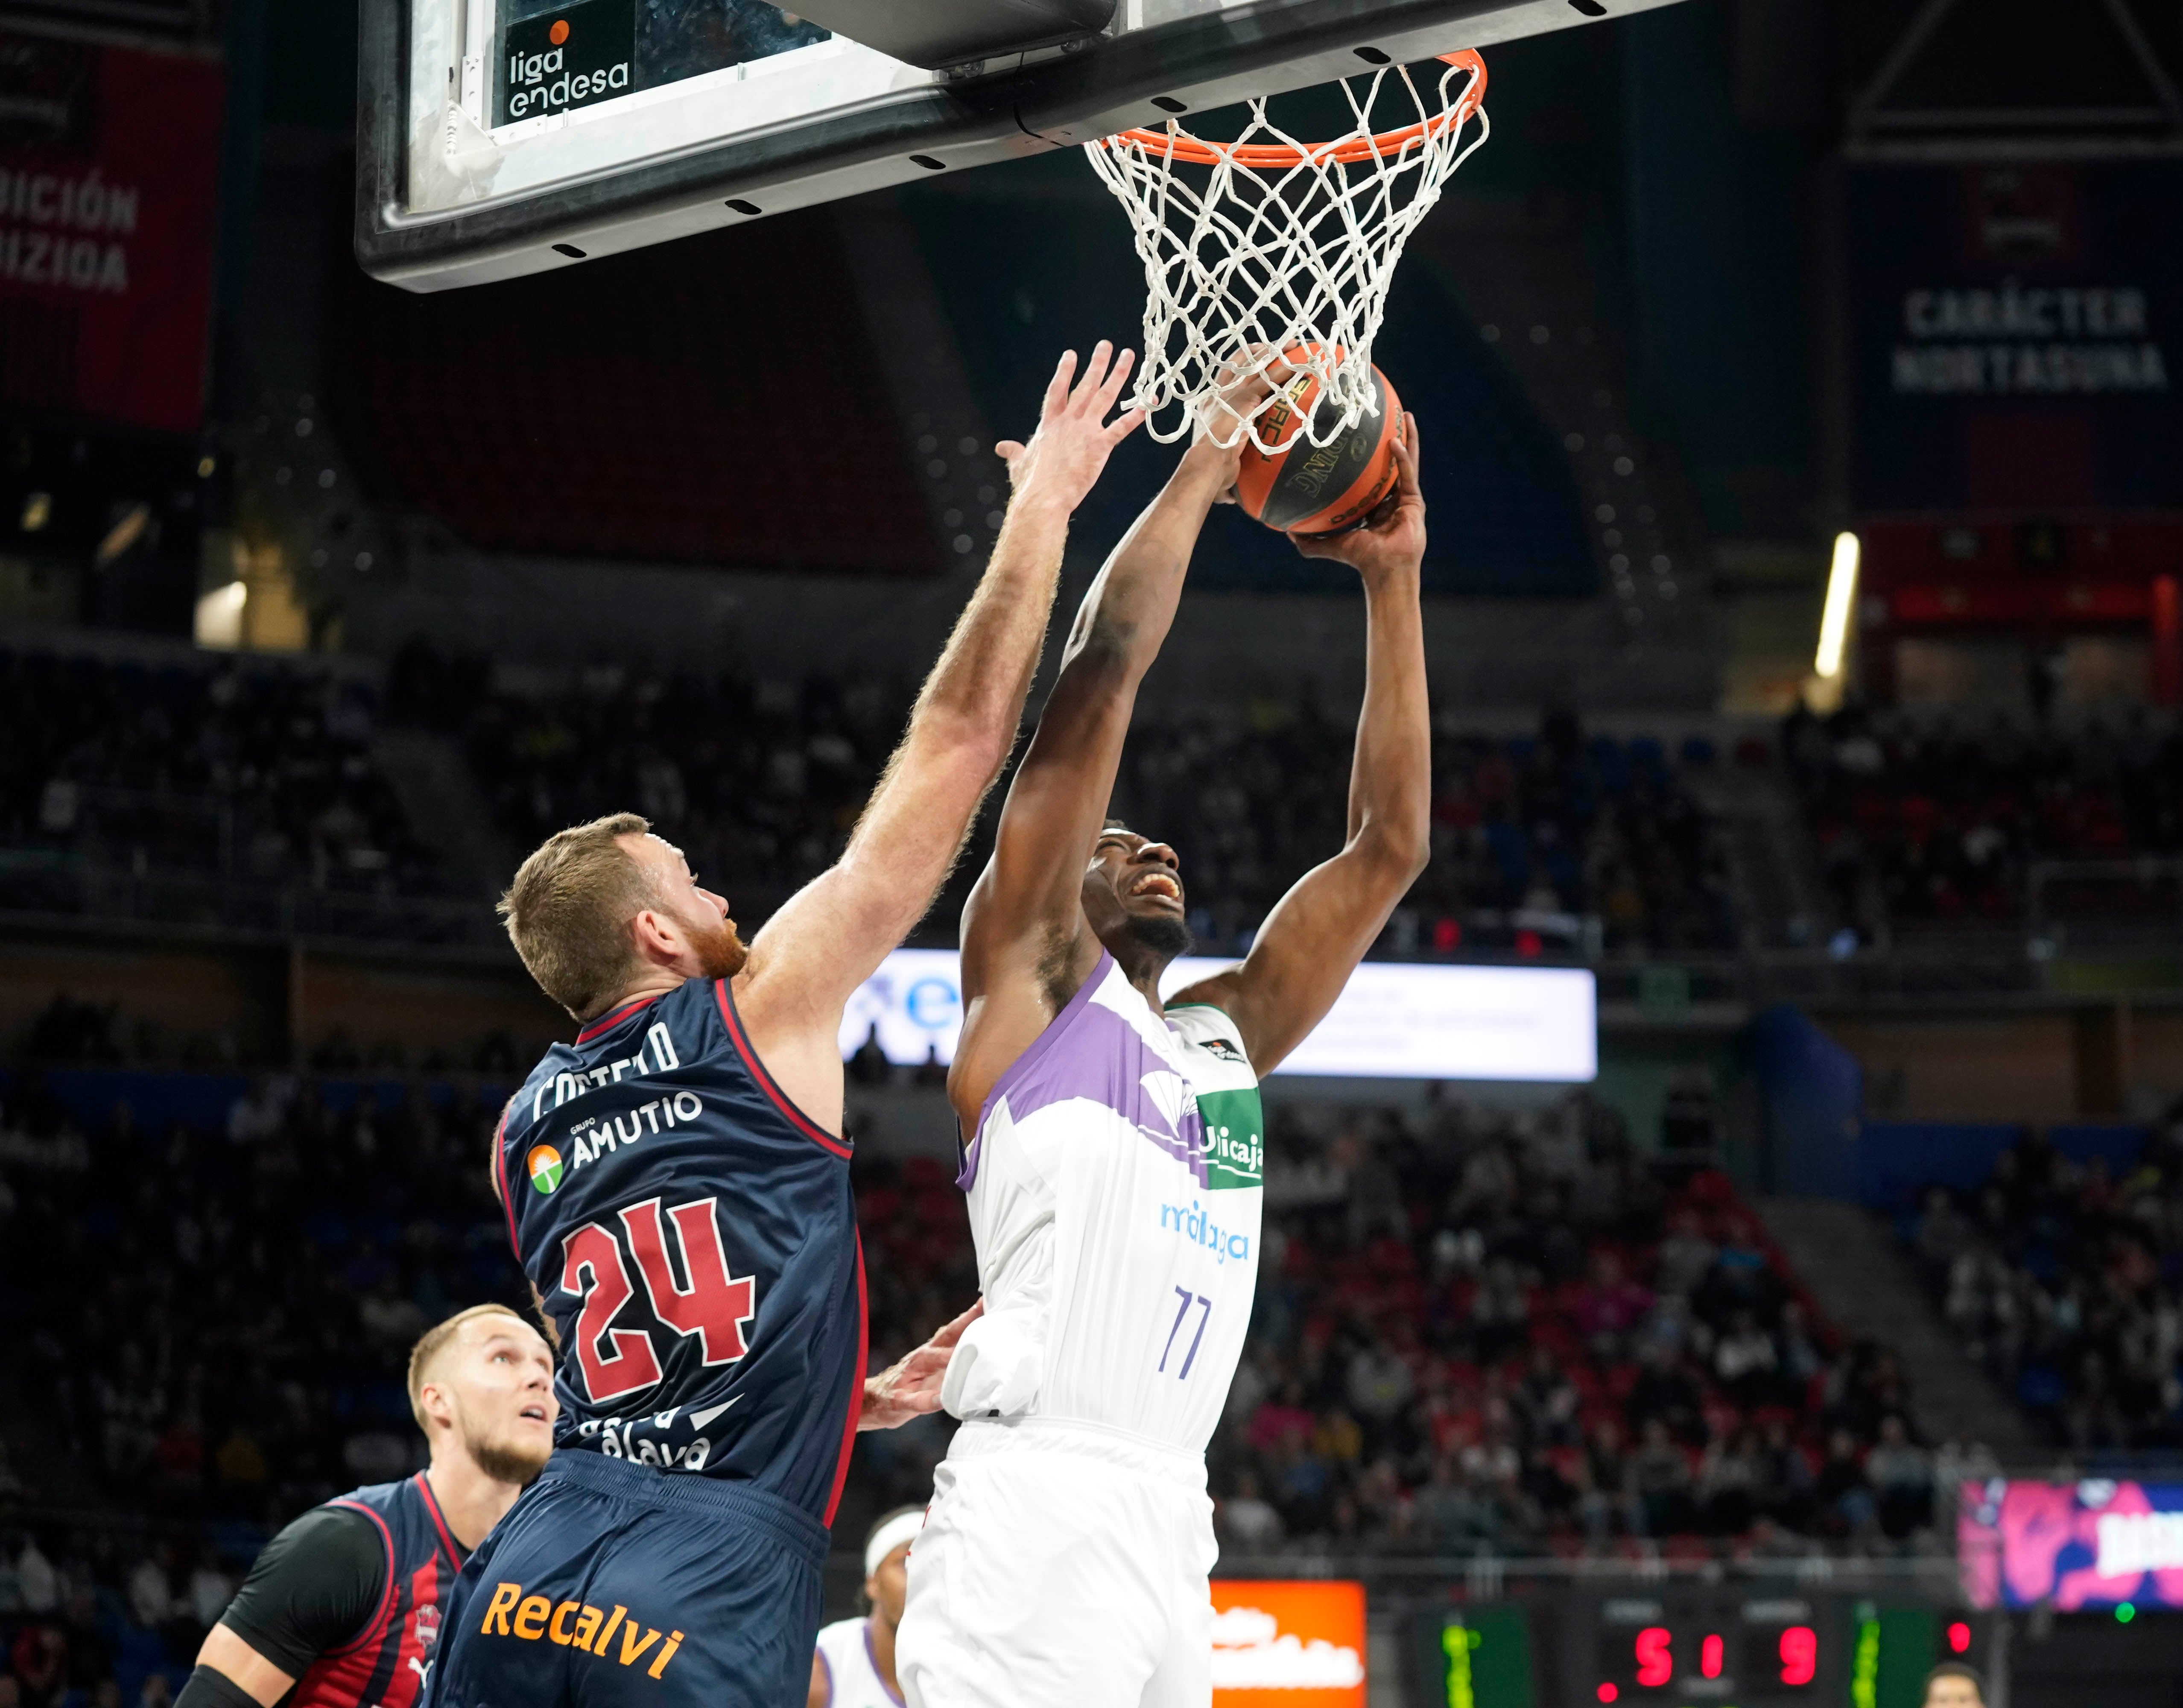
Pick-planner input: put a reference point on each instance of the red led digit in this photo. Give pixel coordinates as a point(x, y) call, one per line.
point(1800, 1654)
point(1608, 1693)
point(1709, 1656)
point(1960, 1638)
point(1656, 1659)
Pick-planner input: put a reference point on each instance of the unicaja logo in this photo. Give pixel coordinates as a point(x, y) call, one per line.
point(544, 1164)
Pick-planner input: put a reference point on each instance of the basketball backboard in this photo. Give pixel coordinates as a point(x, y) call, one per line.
point(502, 137)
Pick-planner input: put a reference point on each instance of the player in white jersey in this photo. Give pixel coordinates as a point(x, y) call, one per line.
point(1113, 1169)
point(853, 1666)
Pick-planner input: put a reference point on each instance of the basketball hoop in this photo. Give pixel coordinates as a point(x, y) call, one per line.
point(1271, 251)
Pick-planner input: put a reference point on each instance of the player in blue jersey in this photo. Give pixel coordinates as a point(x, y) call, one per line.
point(341, 1609)
point(677, 1193)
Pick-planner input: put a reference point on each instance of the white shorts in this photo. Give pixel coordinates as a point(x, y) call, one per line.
point(1062, 1566)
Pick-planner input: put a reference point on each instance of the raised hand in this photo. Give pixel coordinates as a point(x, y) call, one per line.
point(911, 1387)
point(1065, 455)
point(1397, 539)
point(1224, 415)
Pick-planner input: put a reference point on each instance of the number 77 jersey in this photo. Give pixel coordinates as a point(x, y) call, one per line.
point(1114, 1192)
point(692, 1238)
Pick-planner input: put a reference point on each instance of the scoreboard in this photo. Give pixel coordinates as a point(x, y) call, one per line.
point(1753, 1650)
point(1725, 1647)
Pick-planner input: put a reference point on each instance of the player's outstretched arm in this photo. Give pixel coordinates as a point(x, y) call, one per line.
point(1025, 944)
point(1312, 942)
point(829, 937)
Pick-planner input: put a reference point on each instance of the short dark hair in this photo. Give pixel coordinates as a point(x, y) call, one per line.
point(1955, 1669)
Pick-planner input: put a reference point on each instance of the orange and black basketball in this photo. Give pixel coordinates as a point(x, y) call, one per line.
point(1304, 488)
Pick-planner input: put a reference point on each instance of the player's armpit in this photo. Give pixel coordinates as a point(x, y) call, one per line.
point(239, 1667)
point(1310, 943)
point(822, 1685)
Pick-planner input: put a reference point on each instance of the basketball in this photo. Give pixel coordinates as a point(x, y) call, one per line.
point(1302, 488)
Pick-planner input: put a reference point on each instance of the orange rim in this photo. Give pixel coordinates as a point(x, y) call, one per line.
point(1177, 145)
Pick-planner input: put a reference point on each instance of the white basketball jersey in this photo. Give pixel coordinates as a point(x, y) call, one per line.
point(1114, 1194)
point(851, 1677)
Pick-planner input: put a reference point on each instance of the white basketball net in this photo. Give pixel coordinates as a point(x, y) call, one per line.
point(1256, 247)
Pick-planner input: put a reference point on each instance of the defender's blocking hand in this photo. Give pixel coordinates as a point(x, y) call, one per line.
point(1065, 456)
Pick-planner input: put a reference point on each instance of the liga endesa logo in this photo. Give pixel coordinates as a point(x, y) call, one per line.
point(1294, 1644)
point(558, 60)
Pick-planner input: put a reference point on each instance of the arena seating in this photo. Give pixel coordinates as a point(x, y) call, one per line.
point(1475, 1332)
point(551, 418)
point(1555, 824)
point(1472, 1330)
point(1930, 821)
point(254, 772)
point(761, 783)
point(2064, 1276)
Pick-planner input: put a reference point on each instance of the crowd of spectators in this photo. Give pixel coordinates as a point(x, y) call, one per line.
point(1919, 819)
point(1480, 1332)
point(211, 1323)
point(264, 775)
point(259, 773)
point(1475, 1330)
point(1527, 831)
point(2065, 1279)
point(761, 782)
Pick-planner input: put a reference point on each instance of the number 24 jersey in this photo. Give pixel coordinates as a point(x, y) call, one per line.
point(693, 1238)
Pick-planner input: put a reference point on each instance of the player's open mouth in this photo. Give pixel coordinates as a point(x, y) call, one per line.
point(1157, 883)
point(533, 1414)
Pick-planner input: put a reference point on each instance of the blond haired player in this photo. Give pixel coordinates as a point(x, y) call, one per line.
point(676, 1186)
point(342, 1607)
point(1114, 1170)
point(854, 1665)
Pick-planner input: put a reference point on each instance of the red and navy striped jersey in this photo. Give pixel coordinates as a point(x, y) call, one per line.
point(384, 1665)
point(693, 1237)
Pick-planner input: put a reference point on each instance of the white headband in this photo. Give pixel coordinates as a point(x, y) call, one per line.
point(902, 1527)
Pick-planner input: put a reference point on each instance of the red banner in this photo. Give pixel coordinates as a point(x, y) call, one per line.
point(109, 164)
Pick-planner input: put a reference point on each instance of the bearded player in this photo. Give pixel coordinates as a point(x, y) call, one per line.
point(678, 1192)
point(854, 1665)
point(342, 1608)
point(1114, 1173)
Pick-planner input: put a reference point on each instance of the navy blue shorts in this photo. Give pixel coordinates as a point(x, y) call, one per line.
point(613, 1585)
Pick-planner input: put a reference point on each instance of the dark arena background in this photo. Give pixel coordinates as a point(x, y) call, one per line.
point(1801, 385)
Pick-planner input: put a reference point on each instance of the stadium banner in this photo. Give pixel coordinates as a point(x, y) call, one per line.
point(2097, 1543)
point(1287, 1645)
point(2015, 334)
point(1394, 1021)
point(110, 163)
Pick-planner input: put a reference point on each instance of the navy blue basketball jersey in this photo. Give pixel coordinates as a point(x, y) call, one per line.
point(384, 1665)
point(692, 1235)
